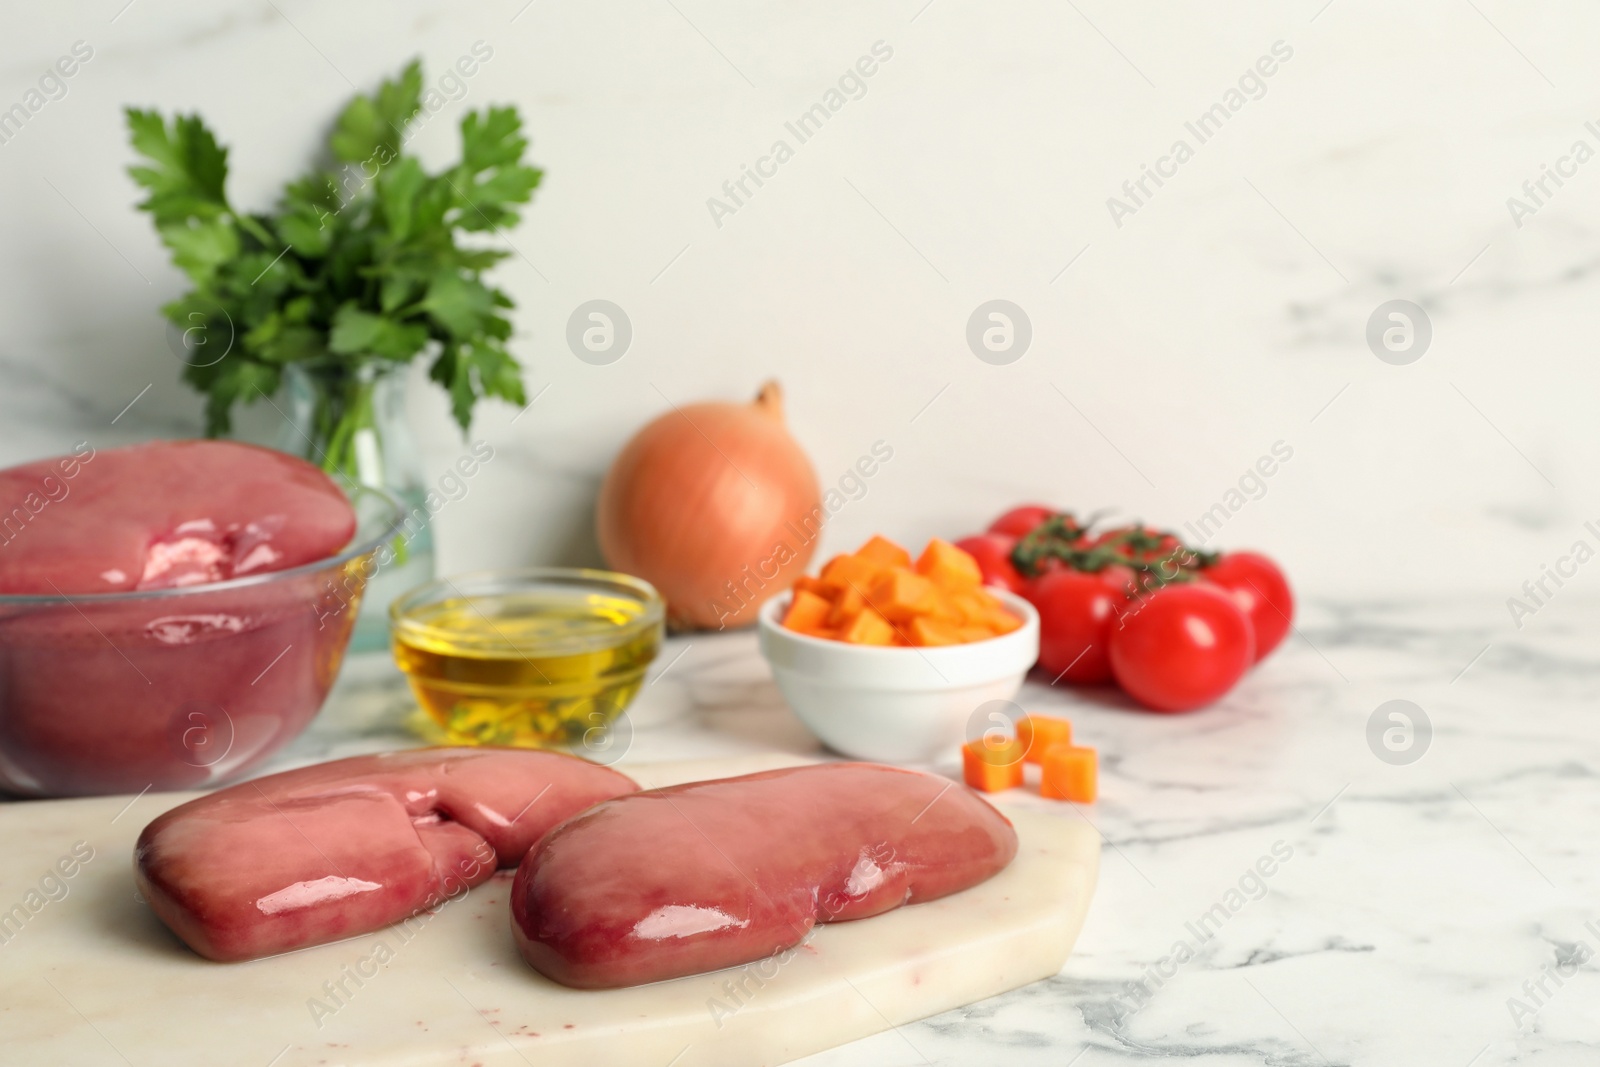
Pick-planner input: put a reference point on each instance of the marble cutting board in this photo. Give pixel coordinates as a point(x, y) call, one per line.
point(89, 976)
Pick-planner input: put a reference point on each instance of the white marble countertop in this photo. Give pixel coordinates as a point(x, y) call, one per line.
point(1410, 911)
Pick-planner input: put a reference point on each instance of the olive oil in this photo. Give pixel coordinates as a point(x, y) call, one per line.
point(549, 664)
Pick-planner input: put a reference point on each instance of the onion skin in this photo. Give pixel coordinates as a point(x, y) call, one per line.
point(716, 506)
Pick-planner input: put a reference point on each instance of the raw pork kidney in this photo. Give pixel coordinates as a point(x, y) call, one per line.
point(344, 848)
point(697, 877)
point(189, 683)
point(164, 514)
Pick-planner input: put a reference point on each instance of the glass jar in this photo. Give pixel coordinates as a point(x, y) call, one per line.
point(349, 418)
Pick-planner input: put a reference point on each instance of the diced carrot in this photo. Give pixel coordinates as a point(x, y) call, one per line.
point(948, 566)
point(807, 612)
point(868, 628)
point(974, 606)
point(942, 588)
point(1040, 733)
point(899, 594)
point(884, 552)
point(992, 767)
point(850, 572)
point(945, 610)
point(1002, 621)
point(926, 631)
point(1071, 772)
point(808, 584)
point(846, 606)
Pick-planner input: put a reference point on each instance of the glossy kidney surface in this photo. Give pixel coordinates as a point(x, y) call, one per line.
point(343, 848)
point(692, 878)
point(120, 694)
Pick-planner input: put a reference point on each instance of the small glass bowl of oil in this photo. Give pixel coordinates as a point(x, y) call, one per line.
point(538, 658)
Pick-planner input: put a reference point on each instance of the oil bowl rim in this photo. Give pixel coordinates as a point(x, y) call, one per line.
point(471, 585)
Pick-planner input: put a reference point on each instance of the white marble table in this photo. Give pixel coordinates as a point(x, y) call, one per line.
point(1404, 904)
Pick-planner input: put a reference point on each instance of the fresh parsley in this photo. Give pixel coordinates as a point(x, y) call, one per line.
point(360, 260)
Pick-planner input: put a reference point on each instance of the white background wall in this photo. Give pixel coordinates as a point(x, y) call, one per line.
point(1224, 316)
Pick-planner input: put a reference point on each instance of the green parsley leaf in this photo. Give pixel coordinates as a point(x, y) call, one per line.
point(398, 187)
point(190, 168)
point(356, 264)
point(458, 304)
point(357, 333)
point(372, 128)
point(199, 248)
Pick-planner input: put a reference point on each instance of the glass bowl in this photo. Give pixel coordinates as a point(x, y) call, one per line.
point(539, 657)
point(176, 688)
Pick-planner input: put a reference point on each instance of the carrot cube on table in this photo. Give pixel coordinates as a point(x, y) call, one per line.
point(868, 628)
point(1040, 733)
point(884, 552)
point(1070, 773)
point(991, 765)
point(948, 566)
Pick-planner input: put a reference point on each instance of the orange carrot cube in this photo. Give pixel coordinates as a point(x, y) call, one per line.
point(850, 572)
point(808, 584)
point(1002, 621)
point(948, 566)
point(1071, 772)
point(929, 632)
point(1040, 733)
point(846, 606)
point(899, 594)
point(884, 552)
point(974, 605)
point(868, 628)
point(807, 613)
point(992, 765)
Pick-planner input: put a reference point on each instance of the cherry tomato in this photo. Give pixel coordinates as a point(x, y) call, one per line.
point(1019, 522)
point(1181, 647)
point(1261, 591)
point(1123, 580)
point(1076, 612)
point(993, 553)
point(1161, 543)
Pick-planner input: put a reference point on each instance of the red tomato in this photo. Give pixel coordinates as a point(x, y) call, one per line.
point(1261, 591)
point(1076, 612)
point(1167, 542)
point(1182, 647)
point(993, 553)
point(1122, 580)
point(1019, 522)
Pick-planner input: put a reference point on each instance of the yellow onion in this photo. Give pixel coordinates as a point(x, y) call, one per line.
point(716, 506)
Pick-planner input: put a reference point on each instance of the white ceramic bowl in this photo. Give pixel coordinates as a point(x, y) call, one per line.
point(895, 705)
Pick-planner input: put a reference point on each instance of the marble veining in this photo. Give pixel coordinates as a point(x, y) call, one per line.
point(1424, 905)
point(1416, 900)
